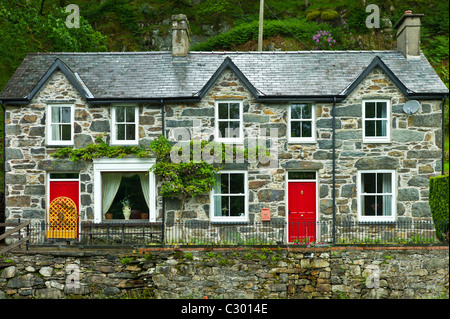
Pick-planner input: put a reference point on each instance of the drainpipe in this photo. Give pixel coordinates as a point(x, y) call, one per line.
point(163, 233)
point(3, 217)
point(443, 135)
point(334, 169)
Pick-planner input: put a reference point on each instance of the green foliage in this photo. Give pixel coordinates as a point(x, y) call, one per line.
point(123, 10)
point(313, 15)
point(24, 30)
point(241, 34)
point(329, 15)
point(126, 260)
point(356, 20)
point(184, 179)
point(438, 49)
point(212, 11)
point(439, 204)
point(100, 149)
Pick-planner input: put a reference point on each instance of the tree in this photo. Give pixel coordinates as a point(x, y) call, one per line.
point(181, 180)
point(23, 30)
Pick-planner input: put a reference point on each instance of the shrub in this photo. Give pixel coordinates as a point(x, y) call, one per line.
point(323, 40)
point(439, 204)
point(329, 15)
point(313, 15)
point(249, 31)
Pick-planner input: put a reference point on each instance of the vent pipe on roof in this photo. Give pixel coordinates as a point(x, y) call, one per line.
point(408, 34)
point(180, 35)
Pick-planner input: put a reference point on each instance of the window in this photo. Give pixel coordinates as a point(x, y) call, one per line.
point(229, 197)
point(229, 126)
point(125, 195)
point(301, 123)
point(125, 125)
point(302, 175)
point(376, 121)
point(119, 179)
point(60, 124)
point(376, 195)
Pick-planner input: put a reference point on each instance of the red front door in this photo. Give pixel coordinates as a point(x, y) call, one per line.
point(63, 209)
point(302, 211)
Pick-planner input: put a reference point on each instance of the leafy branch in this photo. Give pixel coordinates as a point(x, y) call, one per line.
point(100, 149)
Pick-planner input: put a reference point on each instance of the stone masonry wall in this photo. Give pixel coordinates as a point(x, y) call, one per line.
point(414, 150)
point(28, 158)
point(229, 273)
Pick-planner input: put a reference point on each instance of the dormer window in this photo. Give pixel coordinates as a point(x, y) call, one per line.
point(125, 122)
point(376, 121)
point(301, 126)
point(60, 124)
point(229, 127)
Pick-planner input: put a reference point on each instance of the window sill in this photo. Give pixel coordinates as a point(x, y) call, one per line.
point(60, 145)
point(376, 222)
point(229, 222)
point(292, 141)
point(366, 141)
point(229, 141)
point(127, 143)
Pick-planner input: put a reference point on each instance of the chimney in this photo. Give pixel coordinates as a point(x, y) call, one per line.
point(180, 35)
point(408, 34)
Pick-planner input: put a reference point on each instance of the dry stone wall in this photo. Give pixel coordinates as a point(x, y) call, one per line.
point(227, 273)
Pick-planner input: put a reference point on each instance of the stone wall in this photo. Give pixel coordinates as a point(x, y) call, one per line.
point(229, 273)
point(28, 158)
point(414, 151)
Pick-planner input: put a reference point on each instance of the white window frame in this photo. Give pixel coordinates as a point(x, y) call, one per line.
point(50, 140)
point(311, 139)
point(393, 193)
point(220, 138)
point(109, 165)
point(235, 218)
point(114, 139)
point(377, 139)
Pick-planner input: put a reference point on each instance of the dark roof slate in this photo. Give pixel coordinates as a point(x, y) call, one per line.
point(155, 75)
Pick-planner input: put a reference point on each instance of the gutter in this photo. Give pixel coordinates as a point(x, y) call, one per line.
point(302, 98)
point(178, 99)
point(260, 98)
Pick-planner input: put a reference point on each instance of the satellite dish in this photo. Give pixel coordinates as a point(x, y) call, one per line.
point(411, 107)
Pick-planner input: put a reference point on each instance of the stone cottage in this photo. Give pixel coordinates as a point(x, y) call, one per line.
point(355, 134)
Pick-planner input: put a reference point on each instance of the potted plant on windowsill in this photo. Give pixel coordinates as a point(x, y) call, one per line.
point(126, 207)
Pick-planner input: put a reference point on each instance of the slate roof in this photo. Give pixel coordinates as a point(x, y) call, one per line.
point(158, 75)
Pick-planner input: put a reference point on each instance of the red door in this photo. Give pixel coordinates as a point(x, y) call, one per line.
point(63, 209)
point(302, 211)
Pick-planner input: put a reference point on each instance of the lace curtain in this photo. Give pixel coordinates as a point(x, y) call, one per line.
point(111, 183)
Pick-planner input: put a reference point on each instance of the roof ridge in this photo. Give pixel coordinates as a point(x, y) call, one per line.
point(217, 52)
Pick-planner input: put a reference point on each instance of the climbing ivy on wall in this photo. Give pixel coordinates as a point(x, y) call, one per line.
point(184, 179)
point(100, 149)
point(190, 177)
